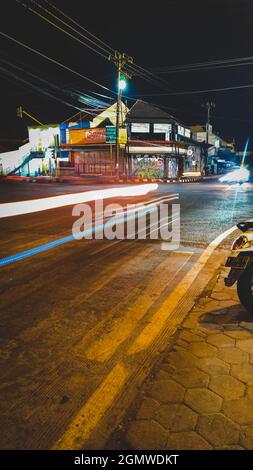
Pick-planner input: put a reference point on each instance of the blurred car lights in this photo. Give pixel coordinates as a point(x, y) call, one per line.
point(236, 176)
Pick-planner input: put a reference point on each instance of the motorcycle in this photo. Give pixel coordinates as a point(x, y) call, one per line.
point(242, 265)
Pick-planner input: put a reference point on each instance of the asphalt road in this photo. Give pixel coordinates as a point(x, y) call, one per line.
point(68, 315)
point(11, 191)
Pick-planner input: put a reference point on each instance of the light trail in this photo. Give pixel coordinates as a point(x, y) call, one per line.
point(145, 208)
point(69, 238)
point(10, 209)
point(237, 189)
point(245, 152)
point(47, 246)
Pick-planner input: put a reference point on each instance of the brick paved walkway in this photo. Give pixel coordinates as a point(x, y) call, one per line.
point(201, 394)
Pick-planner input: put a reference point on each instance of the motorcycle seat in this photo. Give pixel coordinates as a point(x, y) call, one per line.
point(245, 226)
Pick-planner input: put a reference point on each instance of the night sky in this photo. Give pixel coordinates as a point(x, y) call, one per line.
point(156, 34)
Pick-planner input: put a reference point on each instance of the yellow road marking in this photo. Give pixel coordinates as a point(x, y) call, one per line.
point(159, 319)
point(103, 348)
point(91, 413)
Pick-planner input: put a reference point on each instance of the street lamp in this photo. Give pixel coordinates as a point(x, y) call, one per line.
point(122, 82)
point(120, 60)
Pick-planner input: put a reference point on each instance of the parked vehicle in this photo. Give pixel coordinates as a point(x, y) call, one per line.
point(242, 265)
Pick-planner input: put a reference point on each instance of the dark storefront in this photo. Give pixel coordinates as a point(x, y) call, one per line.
point(160, 147)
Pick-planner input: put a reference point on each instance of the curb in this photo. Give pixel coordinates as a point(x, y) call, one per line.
point(117, 439)
point(145, 361)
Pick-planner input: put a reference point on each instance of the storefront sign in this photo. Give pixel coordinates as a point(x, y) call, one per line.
point(184, 131)
point(123, 136)
point(162, 128)
point(86, 136)
point(111, 135)
point(139, 127)
point(180, 130)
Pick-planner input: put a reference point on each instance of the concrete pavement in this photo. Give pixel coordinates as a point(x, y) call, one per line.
point(200, 395)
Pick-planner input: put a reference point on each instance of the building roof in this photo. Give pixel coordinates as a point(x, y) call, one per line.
point(110, 114)
point(145, 112)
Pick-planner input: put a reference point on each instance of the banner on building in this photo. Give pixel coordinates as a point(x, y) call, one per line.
point(86, 136)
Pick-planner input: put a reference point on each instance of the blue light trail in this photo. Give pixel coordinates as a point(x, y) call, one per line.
point(69, 238)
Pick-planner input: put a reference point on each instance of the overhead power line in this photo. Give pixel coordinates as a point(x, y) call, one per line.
point(241, 61)
point(37, 88)
point(136, 69)
point(212, 67)
point(191, 113)
point(67, 89)
point(59, 27)
point(194, 92)
point(78, 24)
point(50, 84)
point(50, 59)
point(141, 71)
point(81, 114)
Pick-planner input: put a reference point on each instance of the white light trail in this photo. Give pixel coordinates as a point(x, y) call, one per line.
point(10, 209)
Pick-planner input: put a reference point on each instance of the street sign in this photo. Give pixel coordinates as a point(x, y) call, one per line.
point(123, 136)
point(110, 134)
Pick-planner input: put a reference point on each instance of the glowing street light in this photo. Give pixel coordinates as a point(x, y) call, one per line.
point(122, 82)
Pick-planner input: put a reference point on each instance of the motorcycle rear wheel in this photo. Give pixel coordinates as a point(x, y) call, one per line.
point(245, 289)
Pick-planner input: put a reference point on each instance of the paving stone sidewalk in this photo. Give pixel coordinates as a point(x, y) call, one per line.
point(201, 395)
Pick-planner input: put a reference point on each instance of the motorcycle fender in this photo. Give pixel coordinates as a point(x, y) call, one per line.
point(236, 273)
point(233, 276)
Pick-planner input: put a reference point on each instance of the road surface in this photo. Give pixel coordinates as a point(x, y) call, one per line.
point(69, 315)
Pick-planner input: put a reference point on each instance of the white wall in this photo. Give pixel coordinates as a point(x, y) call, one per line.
point(11, 160)
point(41, 138)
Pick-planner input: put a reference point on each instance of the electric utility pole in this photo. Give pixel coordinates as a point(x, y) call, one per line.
point(208, 106)
point(120, 60)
